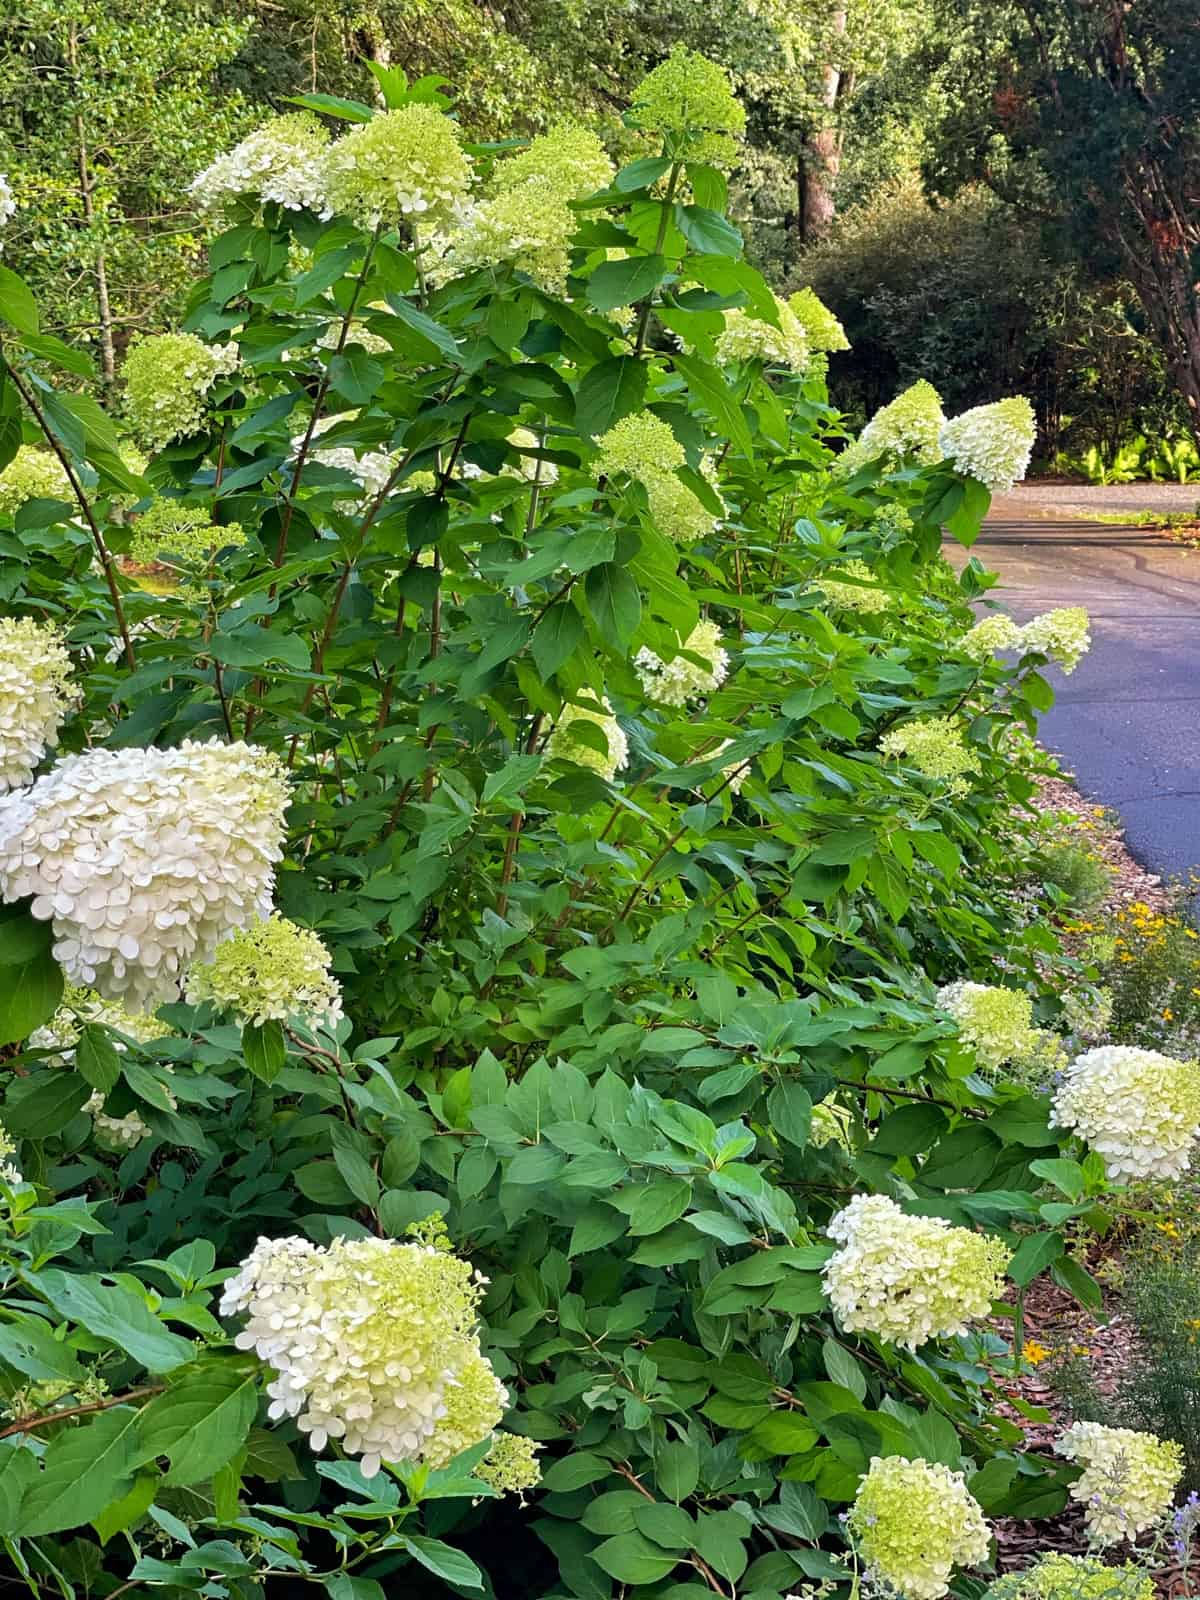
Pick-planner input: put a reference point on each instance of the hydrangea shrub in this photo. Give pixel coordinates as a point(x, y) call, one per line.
point(484, 1113)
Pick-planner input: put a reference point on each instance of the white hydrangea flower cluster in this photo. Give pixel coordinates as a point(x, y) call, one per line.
point(8, 1169)
point(83, 1006)
point(282, 162)
point(913, 1522)
point(270, 971)
point(1062, 634)
point(407, 164)
point(992, 443)
point(564, 744)
point(909, 1279)
point(864, 595)
point(145, 860)
point(369, 1339)
point(118, 1134)
point(8, 205)
point(989, 636)
point(167, 378)
point(372, 468)
point(32, 474)
point(995, 1021)
point(643, 446)
point(748, 338)
point(35, 695)
point(909, 425)
point(1128, 1477)
point(680, 681)
point(1139, 1110)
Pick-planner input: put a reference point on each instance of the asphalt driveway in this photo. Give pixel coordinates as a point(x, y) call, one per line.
point(1127, 721)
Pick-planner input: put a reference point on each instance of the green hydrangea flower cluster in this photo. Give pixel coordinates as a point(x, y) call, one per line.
point(824, 332)
point(995, 1021)
point(990, 635)
point(746, 337)
point(167, 378)
point(913, 1523)
point(474, 1403)
point(571, 156)
point(864, 595)
point(169, 533)
point(32, 474)
point(406, 165)
point(81, 1007)
point(1062, 634)
point(690, 100)
point(564, 744)
point(935, 746)
point(1057, 1576)
point(270, 971)
point(511, 1465)
point(643, 447)
point(1128, 1477)
point(909, 425)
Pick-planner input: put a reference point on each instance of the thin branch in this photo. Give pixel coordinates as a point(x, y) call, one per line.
point(29, 1424)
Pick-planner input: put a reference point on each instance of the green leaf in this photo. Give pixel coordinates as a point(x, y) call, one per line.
point(843, 1369)
point(790, 1109)
point(631, 1558)
point(201, 1421)
point(610, 390)
point(265, 1049)
point(444, 1561)
point(83, 1471)
point(624, 283)
point(1066, 1176)
point(47, 348)
point(1078, 1281)
point(357, 1172)
point(1034, 1253)
point(114, 1314)
point(641, 174)
point(711, 390)
point(330, 105)
point(17, 304)
point(708, 231)
point(556, 638)
point(614, 602)
point(48, 1107)
point(31, 981)
point(508, 782)
point(96, 1059)
point(677, 1467)
point(18, 1469)
point(130, 1508)
point(441, 338)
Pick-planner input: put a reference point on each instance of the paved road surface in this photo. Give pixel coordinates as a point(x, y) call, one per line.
point(1127, 721)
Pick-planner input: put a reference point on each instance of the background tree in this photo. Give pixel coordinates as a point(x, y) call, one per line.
point(109, 109)
point(1086, 116)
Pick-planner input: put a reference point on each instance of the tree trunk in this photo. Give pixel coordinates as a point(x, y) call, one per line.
point(108, 354)
point(1160, 267)
point(821, 159)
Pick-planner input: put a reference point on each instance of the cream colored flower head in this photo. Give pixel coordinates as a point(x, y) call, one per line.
point(373, 1345)
point(864, 595)
point(748, 338)
point(935, 747)
point(992, 443)
point(32, 474)
point(680, 681)
point(995, 1021)
point(909, 1279)
point(1138, 1109)
point(143, 861)
point(1062, 634)
point(909, 425)
point(282, 162)
point(989, 636)
point(1128, 1478)
point(36, 695)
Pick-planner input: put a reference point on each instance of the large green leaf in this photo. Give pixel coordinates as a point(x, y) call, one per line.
point(200, 1422)
point(85, 1468)
point(115, 1314)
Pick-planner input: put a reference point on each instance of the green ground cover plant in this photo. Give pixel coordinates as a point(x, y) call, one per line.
point(514, 938)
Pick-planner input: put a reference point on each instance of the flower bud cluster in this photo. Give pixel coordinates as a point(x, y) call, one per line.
point(643, 447)
point(83, 1007)
point(406, 165)
point(691, 101)
point(824, 332)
